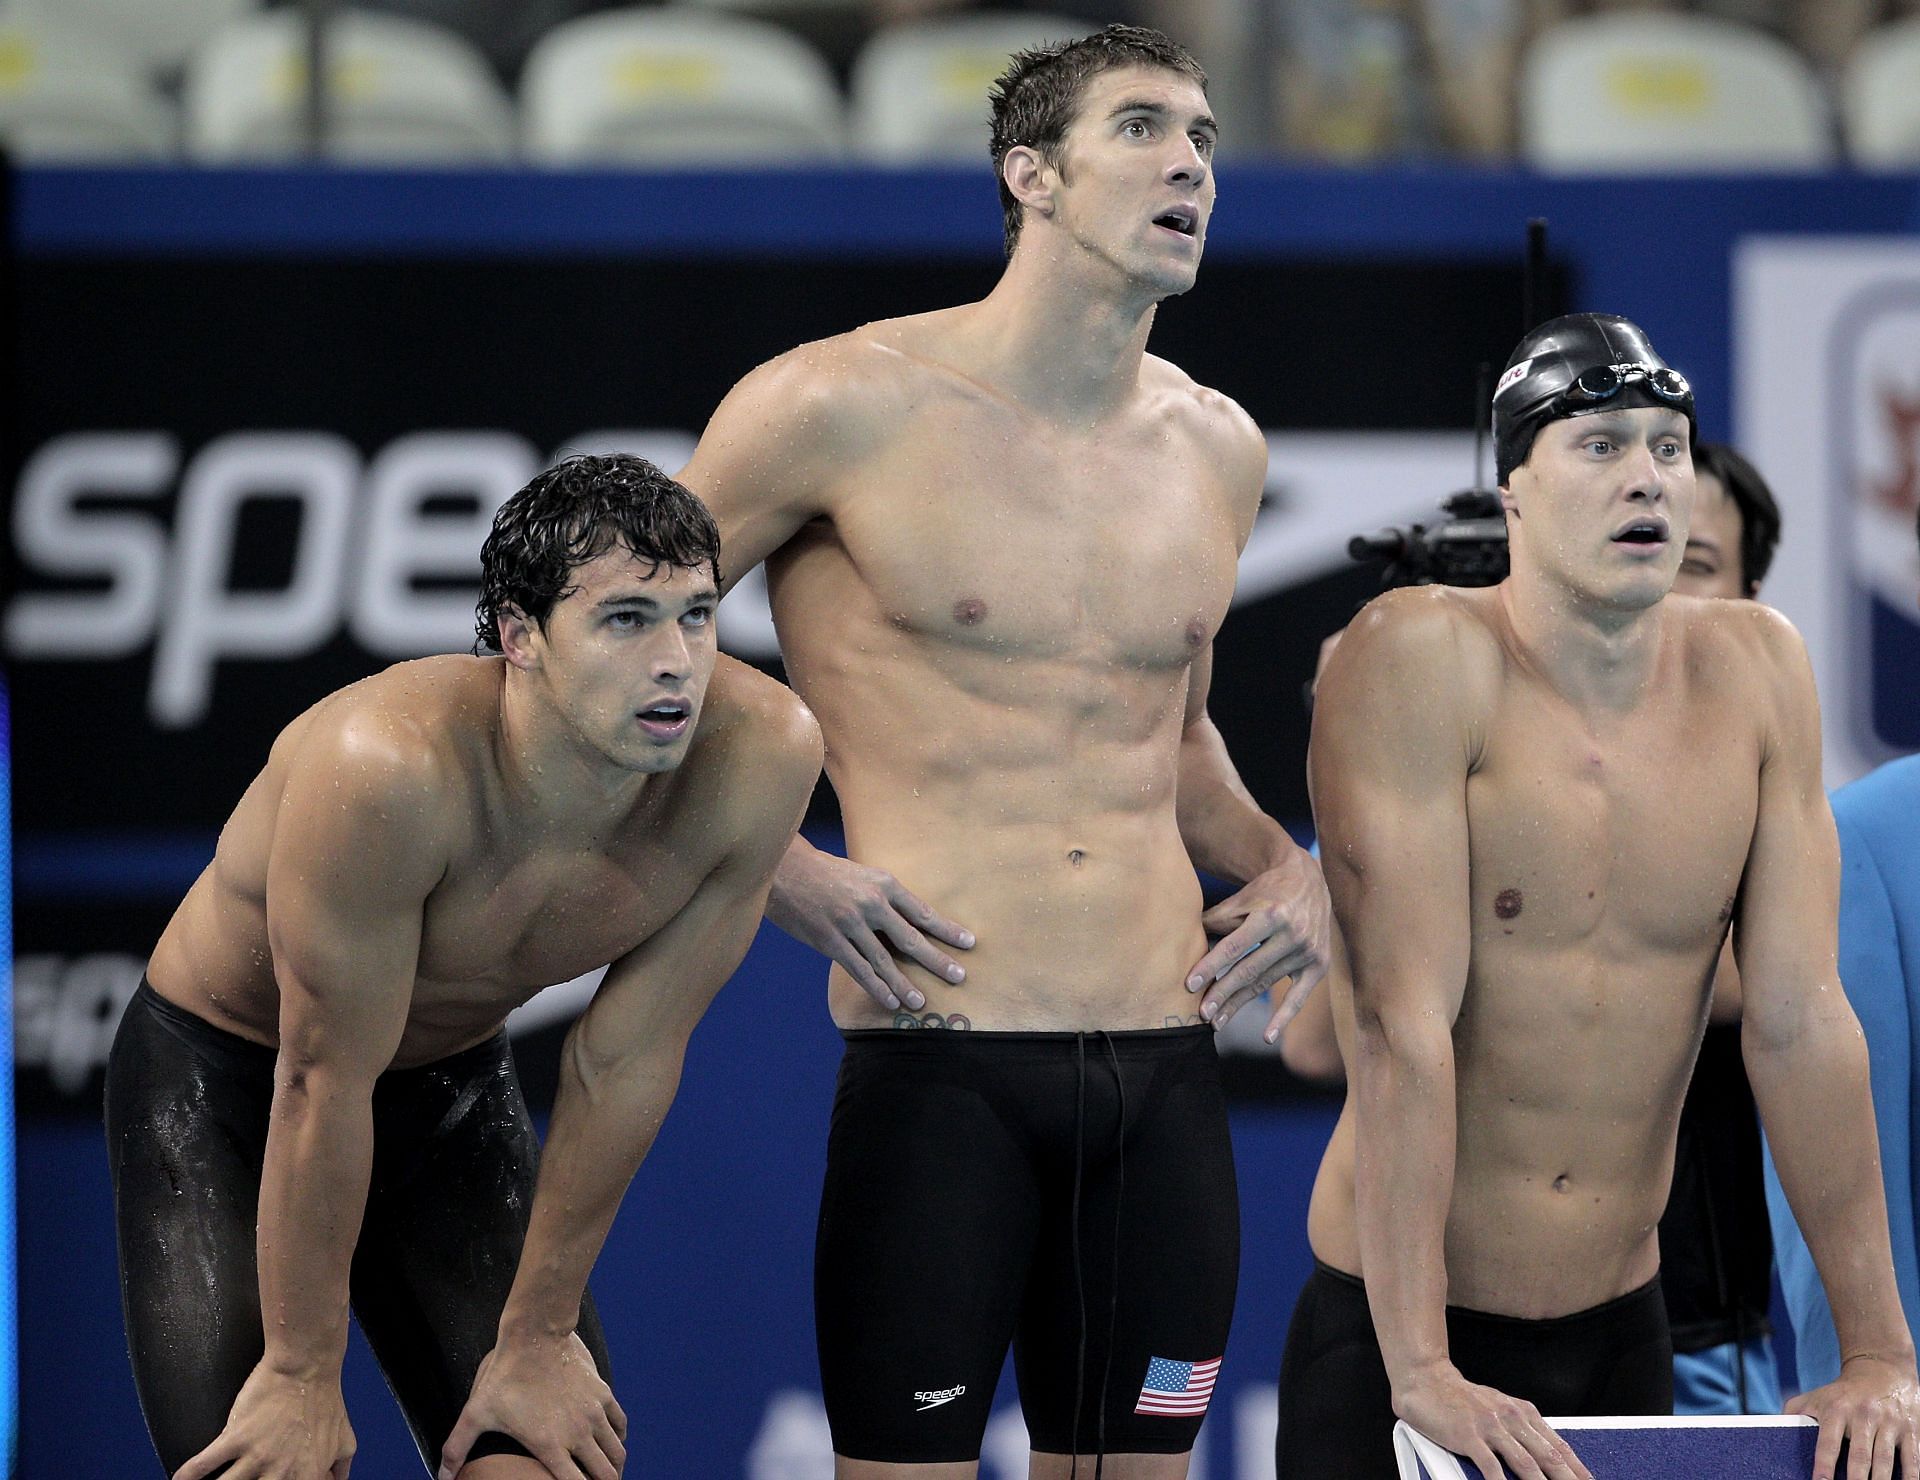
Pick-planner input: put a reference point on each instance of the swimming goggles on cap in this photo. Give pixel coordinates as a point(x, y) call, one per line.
point(1603, 382)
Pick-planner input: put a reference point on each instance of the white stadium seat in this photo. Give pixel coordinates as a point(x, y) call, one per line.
point(1656, 91)
point(158, 35)
point(674, 86)
point(65, 100)
point(1880, 97)
point(401, 93)
point(920, 88)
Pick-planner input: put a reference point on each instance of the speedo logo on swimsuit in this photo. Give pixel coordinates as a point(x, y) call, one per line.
point(934, 1400)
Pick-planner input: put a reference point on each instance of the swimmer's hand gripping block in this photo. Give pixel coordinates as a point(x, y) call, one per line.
point(1758, 1448)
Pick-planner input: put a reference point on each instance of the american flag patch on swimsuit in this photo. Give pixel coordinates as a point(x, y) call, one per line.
point(1177, 1389)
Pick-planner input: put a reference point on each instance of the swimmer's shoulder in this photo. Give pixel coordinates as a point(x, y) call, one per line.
point(1748, 630)
point(1215, 425)
point(432, 715)
point(1207, 413)
point(1750, 654)
point(411, 742)
point(1457, 629)
point(1436, 651)
point(839, 387)
point(759, 749)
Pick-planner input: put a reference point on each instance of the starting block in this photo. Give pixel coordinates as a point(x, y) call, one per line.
point(1752, 1448)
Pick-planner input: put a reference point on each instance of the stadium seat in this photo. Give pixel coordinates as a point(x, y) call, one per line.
point(402, 93)
point(920, 88)
point(1648, 92)
point(157, 35)
point(674, 86)
point(64, 99)
point(1880, 97)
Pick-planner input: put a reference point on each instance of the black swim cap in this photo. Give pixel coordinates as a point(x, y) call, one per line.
point(1559, 370)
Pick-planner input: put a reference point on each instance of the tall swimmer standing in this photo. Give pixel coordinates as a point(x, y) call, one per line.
point(1000, 538)
point(1535, 860)
point(319, 1034)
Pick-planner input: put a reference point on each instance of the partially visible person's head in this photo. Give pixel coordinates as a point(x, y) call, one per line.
point(1036, 99)
point(1593, 434)
point(577, 510)
point(1735, 526)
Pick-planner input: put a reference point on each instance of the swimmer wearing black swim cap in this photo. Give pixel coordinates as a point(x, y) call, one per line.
point(1535, 863)
point(1572, 366)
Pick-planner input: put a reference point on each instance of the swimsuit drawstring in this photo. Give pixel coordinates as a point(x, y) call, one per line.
point(1113, 1292)
point(1079, 1271)
point(1079, 1274)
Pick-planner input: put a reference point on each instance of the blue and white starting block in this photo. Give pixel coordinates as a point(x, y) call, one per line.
point(1755, 1448)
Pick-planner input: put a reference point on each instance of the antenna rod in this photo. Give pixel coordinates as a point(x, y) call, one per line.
point(1482, 414)
point(1533, 304)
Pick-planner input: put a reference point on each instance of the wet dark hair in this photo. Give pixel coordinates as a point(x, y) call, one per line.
point(573, 513)
point(1036, 97)
point(1759, 513)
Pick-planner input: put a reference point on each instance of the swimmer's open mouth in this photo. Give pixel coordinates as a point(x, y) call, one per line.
point(666, 714)
point(1183, 219)
point(1650, 531)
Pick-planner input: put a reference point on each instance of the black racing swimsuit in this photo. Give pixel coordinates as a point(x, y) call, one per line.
point(454, 1157)
point(1072, 1194)
point(1336, 1407)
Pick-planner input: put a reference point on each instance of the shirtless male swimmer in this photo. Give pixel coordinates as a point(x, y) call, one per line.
point(1000, 539)
point(1535, 860)
point(320, 1032)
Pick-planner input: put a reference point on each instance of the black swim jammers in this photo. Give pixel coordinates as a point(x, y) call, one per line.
point(454, 1158)
point(1336, 1406)
point(1072, 1194)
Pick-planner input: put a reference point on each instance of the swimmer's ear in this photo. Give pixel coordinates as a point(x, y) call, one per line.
point(1508, 503)
point(517, 634)
point(1025, 170)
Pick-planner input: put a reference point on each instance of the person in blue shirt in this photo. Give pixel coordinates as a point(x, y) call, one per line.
point(1879, 822)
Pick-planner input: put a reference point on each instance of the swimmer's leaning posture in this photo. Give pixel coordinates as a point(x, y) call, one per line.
point(318, 1046)
point(1535, 860)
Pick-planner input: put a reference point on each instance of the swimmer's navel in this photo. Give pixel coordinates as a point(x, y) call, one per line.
point(1563, 1183)
point(1076, 856)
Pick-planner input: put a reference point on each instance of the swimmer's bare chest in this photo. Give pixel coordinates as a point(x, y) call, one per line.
point(1606, 858)
point(1605, 863)
point(1624, 837)
point(505, 922)
point(1111, 551)
point(996, 630)
point(501, 928)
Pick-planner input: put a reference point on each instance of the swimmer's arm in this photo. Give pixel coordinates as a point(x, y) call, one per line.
point(1802, 1044)
point(354, 859)
point(1222, 825)
point(619, 1070)
point(766, 465)
point(1388, 769)
point(1310, 1047)
point(621, 1062)
point(1279, 922)
point(1393, 744)
point(345, 891)
point(767, 454)
point(1724, 1006)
